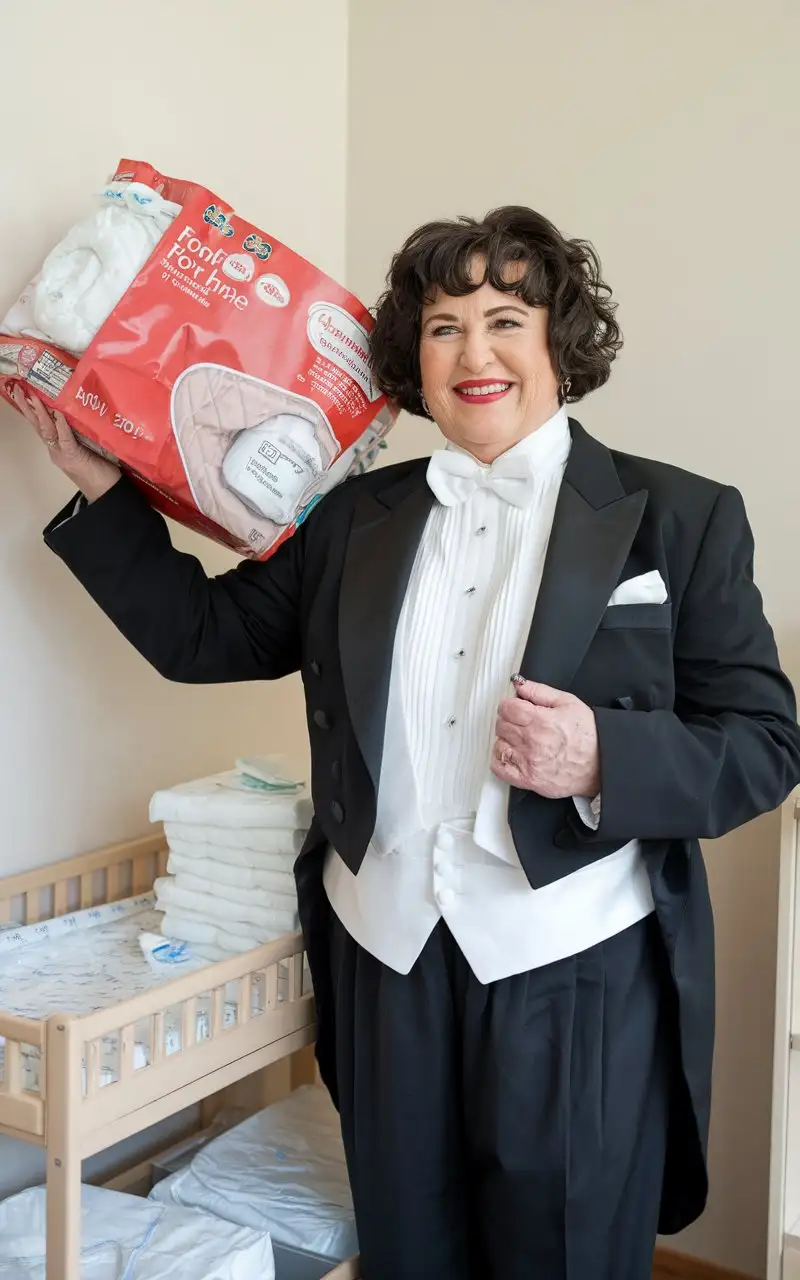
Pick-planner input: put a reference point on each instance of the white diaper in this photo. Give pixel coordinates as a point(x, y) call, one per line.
point(253, 453)
point(273, 465)
point(223, 800)
point(83, 278)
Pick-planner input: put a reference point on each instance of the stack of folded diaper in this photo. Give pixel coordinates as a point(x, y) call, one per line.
point(232, 839)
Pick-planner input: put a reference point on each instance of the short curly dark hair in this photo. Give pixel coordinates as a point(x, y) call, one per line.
point(562, 275)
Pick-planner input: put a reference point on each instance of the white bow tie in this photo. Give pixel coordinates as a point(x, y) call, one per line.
point(455, 476)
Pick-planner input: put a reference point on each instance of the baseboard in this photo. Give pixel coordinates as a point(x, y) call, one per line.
point(669, 1265)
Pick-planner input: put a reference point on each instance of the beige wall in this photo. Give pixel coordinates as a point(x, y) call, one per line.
point(199, 89)
point(667, 134)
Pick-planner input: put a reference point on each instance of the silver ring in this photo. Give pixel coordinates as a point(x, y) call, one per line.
point(51, 444)
point(505, 755)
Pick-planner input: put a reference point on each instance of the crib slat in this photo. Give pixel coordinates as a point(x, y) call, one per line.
point(245, 999)
point(32, 912)
point(87, 893)
point(92, 1053)
point(157, 1046)
point(127, 1048)
point(5, 910)
point(296, 976)
point(271, 987)
point(142, 880)
point(43, 1076)
point(12, 1068)
point(60, 898)
point(113, 882)
point(188, 1024)
point(162, 857)
point(217, 1011)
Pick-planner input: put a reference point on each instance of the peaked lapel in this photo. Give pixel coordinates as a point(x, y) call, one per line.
point(384, 537)
point(594, 525)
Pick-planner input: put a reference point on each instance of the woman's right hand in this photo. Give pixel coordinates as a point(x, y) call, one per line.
point(92, 474)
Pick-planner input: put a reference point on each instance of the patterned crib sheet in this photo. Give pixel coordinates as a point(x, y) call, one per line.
point(81, 962)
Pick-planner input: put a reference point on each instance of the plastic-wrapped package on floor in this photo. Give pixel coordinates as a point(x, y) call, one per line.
point(229, 376)
point(283, 1171)
point(126, 1238)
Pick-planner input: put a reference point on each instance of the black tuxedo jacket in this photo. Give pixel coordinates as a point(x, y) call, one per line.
point(697, 724)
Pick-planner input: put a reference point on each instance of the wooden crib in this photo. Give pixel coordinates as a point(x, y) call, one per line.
point(73, 1114)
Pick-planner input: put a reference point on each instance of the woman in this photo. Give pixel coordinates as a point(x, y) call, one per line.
point(503, 897)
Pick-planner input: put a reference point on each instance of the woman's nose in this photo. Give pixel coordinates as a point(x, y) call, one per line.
point(476, 352)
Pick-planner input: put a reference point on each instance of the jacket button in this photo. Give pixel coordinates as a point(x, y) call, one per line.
point(316, 669)
point(321, 720)
point(336, 771)
point(337, 812)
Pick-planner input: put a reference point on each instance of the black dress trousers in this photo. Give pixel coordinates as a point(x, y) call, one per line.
point(513, 1131)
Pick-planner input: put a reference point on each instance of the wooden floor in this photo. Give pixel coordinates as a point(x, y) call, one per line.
point(678, 1266)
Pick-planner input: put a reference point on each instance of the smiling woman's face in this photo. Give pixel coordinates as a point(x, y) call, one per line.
point(486, 370)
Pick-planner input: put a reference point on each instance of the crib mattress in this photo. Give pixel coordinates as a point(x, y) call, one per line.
point(283, 1171)
point(83, 961)
point(126, 1238)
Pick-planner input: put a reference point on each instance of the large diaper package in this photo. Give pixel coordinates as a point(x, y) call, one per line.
point(229, 376)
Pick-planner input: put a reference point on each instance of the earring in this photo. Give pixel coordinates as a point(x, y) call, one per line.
point(424, 403)
point(565, 388)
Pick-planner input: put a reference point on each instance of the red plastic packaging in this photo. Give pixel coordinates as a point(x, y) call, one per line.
point(232, 381)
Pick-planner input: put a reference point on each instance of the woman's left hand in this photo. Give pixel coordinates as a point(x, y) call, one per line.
point(547, 743)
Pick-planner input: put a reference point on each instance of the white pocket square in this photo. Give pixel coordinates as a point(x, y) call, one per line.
point(647, 588)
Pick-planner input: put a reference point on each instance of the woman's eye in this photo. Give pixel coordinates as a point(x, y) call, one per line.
point(447, 330)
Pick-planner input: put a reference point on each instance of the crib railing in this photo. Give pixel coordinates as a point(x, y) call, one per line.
point(128, 1057)
point(103, 1076)
point(188, 1036)
point(273, 979)
point(91, 880)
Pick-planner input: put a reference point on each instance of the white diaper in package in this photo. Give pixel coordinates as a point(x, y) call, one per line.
point(83, 278)
point(272, 466)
